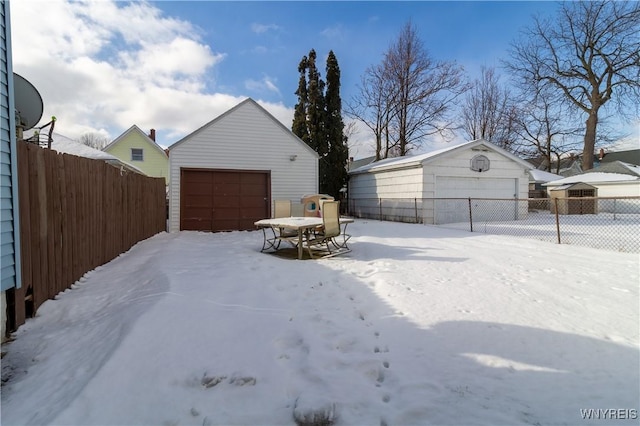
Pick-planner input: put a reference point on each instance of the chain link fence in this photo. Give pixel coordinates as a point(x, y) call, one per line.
point(610, 223)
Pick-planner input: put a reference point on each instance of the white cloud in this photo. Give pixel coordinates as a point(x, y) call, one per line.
point(266, 84)
point(263, 28)
point(337, 31)
point(104, 66)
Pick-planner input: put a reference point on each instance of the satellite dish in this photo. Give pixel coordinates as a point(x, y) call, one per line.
point(28, 102)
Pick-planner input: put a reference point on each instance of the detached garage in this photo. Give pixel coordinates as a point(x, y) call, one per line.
point(225, 175)
point(440, 180)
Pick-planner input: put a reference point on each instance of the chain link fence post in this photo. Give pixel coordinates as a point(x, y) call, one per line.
point(470, 215)
point(557, 219)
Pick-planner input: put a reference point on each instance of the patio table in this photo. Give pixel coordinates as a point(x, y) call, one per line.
point(303, 225)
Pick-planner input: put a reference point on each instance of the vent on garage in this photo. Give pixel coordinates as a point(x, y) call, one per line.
point(480, 163)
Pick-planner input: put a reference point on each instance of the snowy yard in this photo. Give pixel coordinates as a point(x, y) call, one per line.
point(417, 325)
point(608, 231)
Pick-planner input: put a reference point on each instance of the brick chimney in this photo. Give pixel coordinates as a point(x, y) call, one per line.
point(152, 134)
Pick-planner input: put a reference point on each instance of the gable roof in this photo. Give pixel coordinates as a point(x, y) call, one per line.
point(617, 167)
point(421, 159)
point(352, 165)
point(231, 111)
point(130, 130)
point(630, 156)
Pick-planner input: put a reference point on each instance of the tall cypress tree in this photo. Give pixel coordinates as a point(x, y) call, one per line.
point(338, 152)
point(299, 126)
point(318, 121)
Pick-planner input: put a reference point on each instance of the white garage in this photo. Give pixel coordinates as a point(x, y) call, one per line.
point(225, 175)
point(437, 186)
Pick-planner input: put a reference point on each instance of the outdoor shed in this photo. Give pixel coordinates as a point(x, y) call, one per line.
point(436, 187)
point(225, 175)
point(574, 198)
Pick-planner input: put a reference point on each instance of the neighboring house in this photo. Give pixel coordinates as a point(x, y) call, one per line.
point(9, 216)
point(225, 175)
point(140, 150)
point(476, 169)
point(67, 145)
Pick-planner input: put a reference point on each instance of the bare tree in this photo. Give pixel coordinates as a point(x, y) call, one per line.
point(489, 112)
point(543, 130)
point(591, 54)
point(373, 107)
point(407, 97)
point(94, 140)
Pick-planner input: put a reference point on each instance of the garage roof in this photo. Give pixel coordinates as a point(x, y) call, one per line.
point(421, 159)
point(230, 111)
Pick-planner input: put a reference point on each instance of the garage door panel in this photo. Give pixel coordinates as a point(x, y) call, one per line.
point(214, 200)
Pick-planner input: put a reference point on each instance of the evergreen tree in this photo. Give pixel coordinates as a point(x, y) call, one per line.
point(338, 152)
point(318, 121)
point(299, 126)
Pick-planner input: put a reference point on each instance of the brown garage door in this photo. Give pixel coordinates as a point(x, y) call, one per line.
point(223, 200)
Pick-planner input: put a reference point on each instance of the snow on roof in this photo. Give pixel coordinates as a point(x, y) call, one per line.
point(416, 160)
point(67, 145)
point(596, 177)
point(542, 176)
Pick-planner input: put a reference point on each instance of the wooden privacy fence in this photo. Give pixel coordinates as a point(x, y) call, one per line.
point(76, 214)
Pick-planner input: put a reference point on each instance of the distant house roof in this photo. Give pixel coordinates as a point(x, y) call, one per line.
point(630, 156)
point(360, 162)
point(595, 177)
point(415, 160)
point(617, 167)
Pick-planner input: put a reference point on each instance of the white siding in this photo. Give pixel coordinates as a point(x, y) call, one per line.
point(423, 181)
point(403, 183)
point(245, 138)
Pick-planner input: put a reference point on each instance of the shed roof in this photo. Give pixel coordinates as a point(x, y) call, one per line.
point(230, 111)
point(421, 159)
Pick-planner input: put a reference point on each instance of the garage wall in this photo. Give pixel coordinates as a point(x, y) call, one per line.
point(246, 137)
point(402, 183)
point(446, 173)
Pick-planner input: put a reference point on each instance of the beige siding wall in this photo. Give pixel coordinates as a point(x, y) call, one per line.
point(155, 163)
point(245, 139)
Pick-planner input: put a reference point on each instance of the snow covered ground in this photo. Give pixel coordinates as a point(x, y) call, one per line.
point(417, 325)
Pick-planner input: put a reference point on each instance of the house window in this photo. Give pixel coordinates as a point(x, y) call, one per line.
point(136, 154)
point(480, 163)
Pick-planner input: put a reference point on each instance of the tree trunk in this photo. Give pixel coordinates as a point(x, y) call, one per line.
point(589, 141)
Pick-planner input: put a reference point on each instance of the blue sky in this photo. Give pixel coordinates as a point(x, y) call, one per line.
point(103, 66)
point(264, 41)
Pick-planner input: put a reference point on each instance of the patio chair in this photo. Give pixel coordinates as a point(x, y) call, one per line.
point(274, 235)
point(323, 241)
